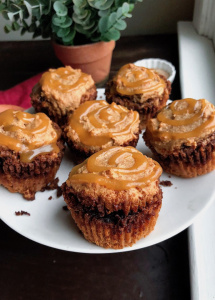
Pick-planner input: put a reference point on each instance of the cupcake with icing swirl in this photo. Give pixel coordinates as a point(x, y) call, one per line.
point(31, 150)
point(60, 91)
point(182, 137)
point(140, 89)
point(114, 196)
point(96, 125)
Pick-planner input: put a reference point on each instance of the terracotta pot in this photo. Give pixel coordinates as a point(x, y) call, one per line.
point(94, 59)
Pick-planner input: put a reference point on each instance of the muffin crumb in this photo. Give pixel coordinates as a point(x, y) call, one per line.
point(65, 208)
point(166, 183)
point(21, 213)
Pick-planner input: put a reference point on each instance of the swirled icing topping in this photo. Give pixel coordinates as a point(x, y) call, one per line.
point(67, 85)
point(117, 168)
point(97, 123)
point(28, 134)
point(183, 119)
point(132, 79)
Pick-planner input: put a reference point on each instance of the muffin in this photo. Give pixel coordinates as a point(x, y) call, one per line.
point(182, 137)
point(96, 125)
point(31, 150)
point(140, 89)
point(114, 196)
point(60, 91)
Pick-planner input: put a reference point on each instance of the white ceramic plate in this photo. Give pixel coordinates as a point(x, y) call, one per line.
point(50, 225)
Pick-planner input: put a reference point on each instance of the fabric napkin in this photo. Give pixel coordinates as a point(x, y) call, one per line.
point(20, 94)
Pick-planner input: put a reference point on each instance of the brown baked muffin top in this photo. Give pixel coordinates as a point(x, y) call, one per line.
point(96, 125)
point(66, 86)
point(116, 178)
point(28, 134)
point(133, 80)
point(183, 122)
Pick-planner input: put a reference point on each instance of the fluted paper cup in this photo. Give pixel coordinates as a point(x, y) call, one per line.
point(160, 65)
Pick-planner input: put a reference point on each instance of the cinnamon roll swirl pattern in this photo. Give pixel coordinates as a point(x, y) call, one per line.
point(96, 125)
point(140, 89)
point(114, 196)
point(184, 131)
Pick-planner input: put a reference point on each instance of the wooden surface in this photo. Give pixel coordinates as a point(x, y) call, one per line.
point(32, 271)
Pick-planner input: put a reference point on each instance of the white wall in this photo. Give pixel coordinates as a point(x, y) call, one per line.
point(149, 17)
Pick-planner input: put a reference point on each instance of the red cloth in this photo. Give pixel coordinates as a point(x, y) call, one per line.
point(20, 94)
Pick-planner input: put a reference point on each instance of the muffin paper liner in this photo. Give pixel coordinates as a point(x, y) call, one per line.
point(187, 162)
point(117, 229)
point(109, 235)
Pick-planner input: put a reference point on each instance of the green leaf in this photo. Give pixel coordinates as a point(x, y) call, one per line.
point(69, 37)
point(120, 25)
point(103, 24)
point(25, 12)
point(33, 3)
point(63, 32)
point(15, 26)
point(5, 14)
point(25, 25)
point(7, 28)
point(58, 20)
point(67, 23)
point(32, 27)
point(112, 34)
point(80, 3)
point(14, 8)
point(103, 13)
point(23, 31)
point(60, 8)
point(101, 4)
point(36, 12)
point(125, 8)
point(37, 33)
point(2, 7)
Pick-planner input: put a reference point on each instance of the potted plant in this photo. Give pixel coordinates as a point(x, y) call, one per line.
point(73, 25)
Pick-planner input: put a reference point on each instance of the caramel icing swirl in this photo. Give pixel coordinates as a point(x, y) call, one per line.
point(64, 79)
point(117, 168)
point(28, 134)
point(65, 87)
point(132, 79)
point(97, 123)
point(183, 119)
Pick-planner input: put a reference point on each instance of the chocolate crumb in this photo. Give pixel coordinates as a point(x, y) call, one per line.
point(59, 191)
point(176, 188)
point(50, 198)
point(169, 176)
point(65, 208)
point(21, 213)
point(52, 185)
point(166, 183)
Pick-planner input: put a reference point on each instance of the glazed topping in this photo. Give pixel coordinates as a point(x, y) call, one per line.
point(65, 79)
point(117, 168)
point(66, 85)
point(131, 80)
point(96, 122)
point(28, 134)
point(186, 118)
